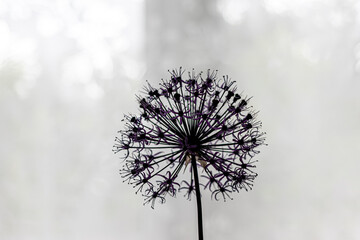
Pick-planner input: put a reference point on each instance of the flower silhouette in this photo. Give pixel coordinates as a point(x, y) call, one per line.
point(197, 123)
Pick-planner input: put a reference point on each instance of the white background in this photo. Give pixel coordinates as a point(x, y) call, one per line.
point(70, 69)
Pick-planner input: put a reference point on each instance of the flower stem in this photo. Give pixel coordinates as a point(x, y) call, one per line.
point(198, 197)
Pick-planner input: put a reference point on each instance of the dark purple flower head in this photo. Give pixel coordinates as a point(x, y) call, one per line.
point(197, 116)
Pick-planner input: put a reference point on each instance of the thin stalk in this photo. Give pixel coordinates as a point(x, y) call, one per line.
point(198, 197)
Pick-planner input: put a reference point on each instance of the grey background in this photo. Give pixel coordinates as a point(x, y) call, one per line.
point(70, 69)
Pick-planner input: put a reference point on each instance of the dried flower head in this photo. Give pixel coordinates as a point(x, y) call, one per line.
point(196, 117)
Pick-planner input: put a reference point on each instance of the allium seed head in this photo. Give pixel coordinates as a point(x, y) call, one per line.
point(199, 116)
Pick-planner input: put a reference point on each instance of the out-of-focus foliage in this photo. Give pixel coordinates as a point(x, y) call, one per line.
point(69, 69)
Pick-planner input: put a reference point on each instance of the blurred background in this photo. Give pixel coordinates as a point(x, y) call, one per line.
point(70, 69)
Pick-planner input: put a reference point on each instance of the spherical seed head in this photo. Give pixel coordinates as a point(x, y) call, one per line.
point(201, 116)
